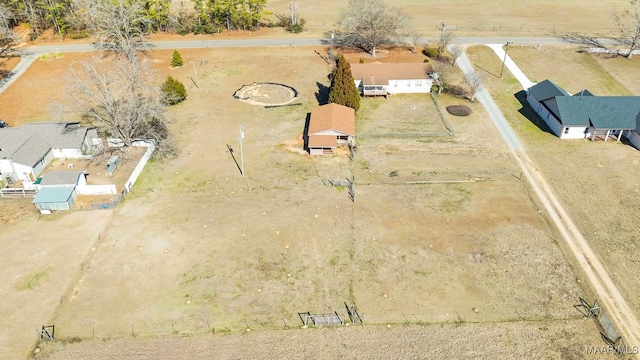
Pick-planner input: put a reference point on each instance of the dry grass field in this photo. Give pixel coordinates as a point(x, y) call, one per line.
point(197, 255)
point(597, 181)
point(197, 248)
point(478, 18)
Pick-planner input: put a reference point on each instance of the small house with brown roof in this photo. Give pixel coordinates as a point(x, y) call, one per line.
point(382, 79)
point(329, 126)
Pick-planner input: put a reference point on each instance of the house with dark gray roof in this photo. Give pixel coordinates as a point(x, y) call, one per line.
point(584, 115)
point(27, 150)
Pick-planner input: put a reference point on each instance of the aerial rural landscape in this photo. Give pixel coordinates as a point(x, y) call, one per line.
point(255, 211)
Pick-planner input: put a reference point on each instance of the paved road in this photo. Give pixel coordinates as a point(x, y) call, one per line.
point(609, 297)
point(213, 43)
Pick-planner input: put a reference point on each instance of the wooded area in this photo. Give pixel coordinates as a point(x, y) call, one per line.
point(78, 18)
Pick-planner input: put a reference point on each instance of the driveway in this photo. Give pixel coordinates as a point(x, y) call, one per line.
point(609, 297)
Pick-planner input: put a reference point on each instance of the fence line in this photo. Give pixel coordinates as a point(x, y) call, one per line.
point(151, 147)
point(14, 193)
point(443, 117)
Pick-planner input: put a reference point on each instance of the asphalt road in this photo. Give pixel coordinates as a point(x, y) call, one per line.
point(199, 44)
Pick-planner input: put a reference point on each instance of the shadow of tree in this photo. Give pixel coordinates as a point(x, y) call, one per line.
point(322, 95)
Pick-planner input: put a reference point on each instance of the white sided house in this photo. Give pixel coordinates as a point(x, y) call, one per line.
point(383, 79)
point(26, 151)
point(584, 115)
point(330, 125)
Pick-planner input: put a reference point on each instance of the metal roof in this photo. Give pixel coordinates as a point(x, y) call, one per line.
point(61, 178)
point(53, 194)
point(380, 73)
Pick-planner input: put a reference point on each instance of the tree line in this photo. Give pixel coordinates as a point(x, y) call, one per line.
point(77, 18)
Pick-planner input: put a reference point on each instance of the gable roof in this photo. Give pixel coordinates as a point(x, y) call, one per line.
point(546, 90)
point(22, 147)
point(380, 73)
point(601, 112)
point(53, 194)
point(61, 177)
point(332, 117)
point(322, 141)
point(59, 135)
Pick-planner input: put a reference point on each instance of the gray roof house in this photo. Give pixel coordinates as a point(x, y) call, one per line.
point(584, 115)
point(25, 151)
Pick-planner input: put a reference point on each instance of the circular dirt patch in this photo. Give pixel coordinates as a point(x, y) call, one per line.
point(459, 110)
point(264, 93)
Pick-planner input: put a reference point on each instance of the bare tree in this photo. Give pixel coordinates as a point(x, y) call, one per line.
point(293, 11)
point(121, 100)
point(629, 24)
point(8, 42)
point(445, 40)
point(444, 75)
point(6, 17)
point(476, 83)
point(122, 27)
point(456, 52)
point(368, 24)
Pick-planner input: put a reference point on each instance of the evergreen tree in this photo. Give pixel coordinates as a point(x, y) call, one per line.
point(176, 61)
point(343, 90)
point(174, 91)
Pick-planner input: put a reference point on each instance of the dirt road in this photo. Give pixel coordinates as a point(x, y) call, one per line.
point(617, 308)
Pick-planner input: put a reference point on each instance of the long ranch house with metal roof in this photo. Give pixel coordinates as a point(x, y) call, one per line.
point(382, 79)
point(584, 115)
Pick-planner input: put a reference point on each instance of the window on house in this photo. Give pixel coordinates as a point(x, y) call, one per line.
point(418, 83)
point(566, 130)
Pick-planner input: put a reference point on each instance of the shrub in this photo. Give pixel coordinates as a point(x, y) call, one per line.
point(176, 61)
point(431, 52)
point(173, 91)
point(459, 110)
point(78, 34)
point(297, 28)
point(204, 29)
point(456, 90)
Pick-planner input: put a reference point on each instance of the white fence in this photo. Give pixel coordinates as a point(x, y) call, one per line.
point(96, 189)
point(151, 147)
point(16, 192)
point(623, 52)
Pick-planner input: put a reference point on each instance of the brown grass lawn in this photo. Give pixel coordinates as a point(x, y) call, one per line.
point(597, 181)
point(573, 70)
point(196, 246)
point(478, 17)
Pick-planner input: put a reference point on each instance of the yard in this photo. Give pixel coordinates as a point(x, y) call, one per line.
point(196, 248)
point(596, 181)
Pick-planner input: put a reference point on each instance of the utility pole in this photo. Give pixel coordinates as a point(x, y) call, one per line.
point(240, 138)
point(331, 48)
point(442, 34)
point(505, 56)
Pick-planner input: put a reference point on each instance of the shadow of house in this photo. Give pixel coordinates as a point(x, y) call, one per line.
point(305, 133)
point(329, 126)
point(526, 111)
